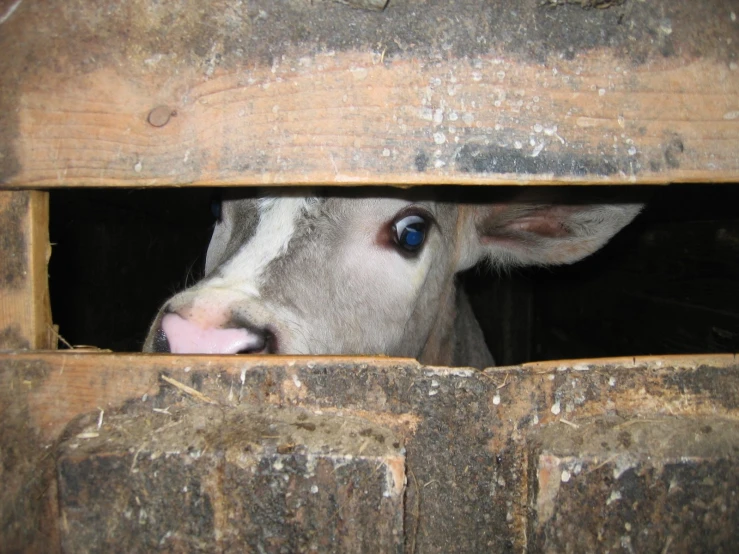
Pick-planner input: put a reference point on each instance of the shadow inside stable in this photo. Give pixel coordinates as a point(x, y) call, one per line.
point(667, 284)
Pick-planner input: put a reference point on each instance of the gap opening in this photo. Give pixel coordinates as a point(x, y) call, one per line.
point(666, 284)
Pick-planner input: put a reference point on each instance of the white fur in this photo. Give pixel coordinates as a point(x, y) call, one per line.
point(277, 218)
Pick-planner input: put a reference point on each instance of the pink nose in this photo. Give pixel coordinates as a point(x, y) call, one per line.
point(185, 337)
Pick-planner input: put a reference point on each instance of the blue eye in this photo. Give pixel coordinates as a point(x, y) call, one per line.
point(410, 232)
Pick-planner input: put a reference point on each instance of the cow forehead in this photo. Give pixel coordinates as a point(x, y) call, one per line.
point(325, 202)
point(292, 213)
point(262, 232)
point(259, 231)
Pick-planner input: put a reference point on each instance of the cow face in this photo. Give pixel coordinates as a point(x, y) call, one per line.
point(360, 273)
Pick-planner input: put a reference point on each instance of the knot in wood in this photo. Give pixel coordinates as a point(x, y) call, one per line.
point(159, 116)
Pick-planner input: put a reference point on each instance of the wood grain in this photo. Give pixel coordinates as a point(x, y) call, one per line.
point(462, 429)
point(25, 309)
point(60, 386)
point(655, 101)
point(348, 119)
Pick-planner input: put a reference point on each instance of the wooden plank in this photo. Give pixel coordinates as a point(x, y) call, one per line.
point(481, 448)
point(620, 490)
point(288, 92)
point(199, 478)
point(25, 309)
point(63, 385)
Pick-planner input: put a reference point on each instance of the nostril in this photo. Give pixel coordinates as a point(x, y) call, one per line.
point(161, 343)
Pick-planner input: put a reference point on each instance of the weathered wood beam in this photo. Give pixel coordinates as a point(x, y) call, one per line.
point(495, 460)
point(25, 309)
point(262, 479)
point(470, 92)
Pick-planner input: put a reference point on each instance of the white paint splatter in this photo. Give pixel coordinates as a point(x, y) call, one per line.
point(359, 73)
point(426, 113)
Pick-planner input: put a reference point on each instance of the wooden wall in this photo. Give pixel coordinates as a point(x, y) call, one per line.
point(425, 92)
point(183, 93)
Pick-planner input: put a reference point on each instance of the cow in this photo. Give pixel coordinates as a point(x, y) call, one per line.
point(372, 271)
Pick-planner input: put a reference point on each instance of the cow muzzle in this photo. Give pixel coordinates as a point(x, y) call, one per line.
point(179, 335)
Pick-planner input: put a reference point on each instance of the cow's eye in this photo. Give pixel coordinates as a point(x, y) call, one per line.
point(409, 232)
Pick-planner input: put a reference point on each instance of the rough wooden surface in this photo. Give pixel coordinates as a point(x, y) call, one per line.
point(206, 478)
point(25, 309)
point(289, 91)
point(652, 441)
point(636, 485)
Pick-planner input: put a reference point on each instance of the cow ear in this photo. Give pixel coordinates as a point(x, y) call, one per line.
point(539, 232)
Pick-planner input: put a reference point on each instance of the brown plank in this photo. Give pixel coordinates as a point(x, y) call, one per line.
point(60, 386)
point(478, 444)
point(63, 385)
point(634, 473)
point(304, 93)
point(25, 309)
point(203, 479)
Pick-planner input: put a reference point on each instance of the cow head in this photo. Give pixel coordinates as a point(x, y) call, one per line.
point(365, 272)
